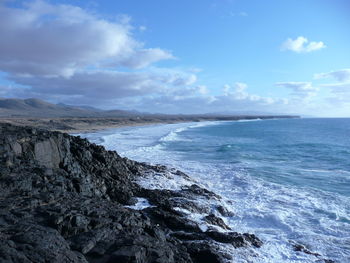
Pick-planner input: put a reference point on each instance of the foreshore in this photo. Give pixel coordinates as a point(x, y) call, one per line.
point(92, 205)
point(88, 204)
point(91, 124)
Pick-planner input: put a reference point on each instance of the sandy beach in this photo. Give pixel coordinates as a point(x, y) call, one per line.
point(90, 124)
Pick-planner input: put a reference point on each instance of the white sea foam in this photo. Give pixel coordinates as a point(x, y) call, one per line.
point(173, 135)
point(257, 119)
point(325, 171)
point(280, 215)
point(170, 180)
point(142, 203)
point(167, 180)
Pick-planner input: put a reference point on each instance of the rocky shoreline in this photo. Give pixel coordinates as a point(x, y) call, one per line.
point(63, 199)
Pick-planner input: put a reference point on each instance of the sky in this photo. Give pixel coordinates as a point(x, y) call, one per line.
point(197, 56)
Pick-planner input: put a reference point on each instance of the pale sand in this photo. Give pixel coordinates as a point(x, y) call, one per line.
point(91, 124)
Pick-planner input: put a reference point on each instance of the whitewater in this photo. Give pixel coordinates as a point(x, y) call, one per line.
point(286, 180)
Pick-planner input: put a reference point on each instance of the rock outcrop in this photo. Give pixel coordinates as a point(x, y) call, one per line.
point(63, 199)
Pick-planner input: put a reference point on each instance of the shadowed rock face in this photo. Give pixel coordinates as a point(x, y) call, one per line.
point(63, 199)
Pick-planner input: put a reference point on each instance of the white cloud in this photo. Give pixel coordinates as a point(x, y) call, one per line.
point(58, 52)
point(5, 91)
point(339, 90)
point(99, 85)
point(106, 85)
point(194, 100)
point(177, 78)
point(191, 103)
point(341, 75)
point(239, 92)
point(300, 90)
point(297, 86)
point(203, 90)
point(143, 58)
point(238, 88)
point(63, 53)
point(43, 39)
point(340, 98)
point(302, 45)
point(342, 89)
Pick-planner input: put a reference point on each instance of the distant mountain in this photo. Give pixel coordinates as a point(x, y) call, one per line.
point(41, 109)
point(35, 108)
point(83, 107)
point(27, 104)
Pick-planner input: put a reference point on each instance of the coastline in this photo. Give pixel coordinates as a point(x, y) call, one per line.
point(47, 176)
point(189, 212)
point(73, 125)
point(156, 150)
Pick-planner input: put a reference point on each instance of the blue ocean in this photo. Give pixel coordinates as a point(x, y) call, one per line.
point(287, 180)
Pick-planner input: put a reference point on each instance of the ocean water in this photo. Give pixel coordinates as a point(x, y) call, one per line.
point(287, 180)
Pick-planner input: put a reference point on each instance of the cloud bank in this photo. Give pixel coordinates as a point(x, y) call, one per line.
point(341, 75)
point(300, 90)
point(62, 50)
point(48, 40)
point(63, 53)
point(341, 89)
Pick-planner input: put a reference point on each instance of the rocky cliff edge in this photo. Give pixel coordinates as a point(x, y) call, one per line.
point(63, 199)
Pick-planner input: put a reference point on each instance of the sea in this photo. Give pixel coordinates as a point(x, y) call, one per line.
point(286, 180)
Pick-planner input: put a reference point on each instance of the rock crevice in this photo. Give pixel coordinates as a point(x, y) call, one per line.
point(63, 199)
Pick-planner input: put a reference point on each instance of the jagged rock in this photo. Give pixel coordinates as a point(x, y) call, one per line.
point(234, 238)
point(205, 252)
point(301, 248)
point(62, 199)
point(224, 212)
point(47, 154)
point(214, 220)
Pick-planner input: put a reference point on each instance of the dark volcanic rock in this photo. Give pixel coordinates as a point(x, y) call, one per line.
point(214, 220)
point(301, 248)
point(63, 199)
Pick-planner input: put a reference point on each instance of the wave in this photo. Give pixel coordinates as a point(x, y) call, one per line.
point(325, 171)
point(174, 134)
point(257, 119)
point(280, 214)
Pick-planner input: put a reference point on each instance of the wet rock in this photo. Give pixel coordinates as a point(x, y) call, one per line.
point(214, 220)
point(128, 254)
point(172, 220)
point(62, 199)
point(301, 248)
point(196, 189)
point(204, 252)
point(34, 243)
point(234, 238)
point(224, 212)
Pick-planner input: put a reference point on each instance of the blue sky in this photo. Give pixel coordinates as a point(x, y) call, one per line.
point(180, 56)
